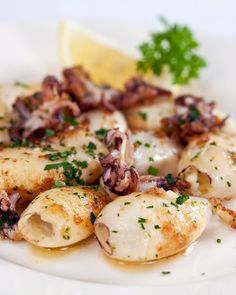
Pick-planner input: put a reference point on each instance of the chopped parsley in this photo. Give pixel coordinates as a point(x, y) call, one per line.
point(174, 204)
point(149, 207)
point(142, 221)
point(62, 155)
point(72, 171)
point(82, 164)
point(101, 133)
point(195, 156)
point(59, 183)
point(143, 116)
point(138, 142)
point(147, 145)
point(72, 121)
point(218, 241)
point(66, 236)
point(115, 231)
point(165, 272)
point(50, 132)
point(181, 199)
point(151, 159)
point(213, 143)
point(194, 113)
point(170, 179)
point(174, 48)
point(229, 184)
point(152, 171)
point(157, 226)
point(127, 203)
point(90, 149)
point(56, 166)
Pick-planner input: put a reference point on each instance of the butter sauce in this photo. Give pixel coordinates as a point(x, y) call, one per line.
point(54, 253)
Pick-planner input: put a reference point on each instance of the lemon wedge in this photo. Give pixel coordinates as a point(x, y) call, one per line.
point(104, 61)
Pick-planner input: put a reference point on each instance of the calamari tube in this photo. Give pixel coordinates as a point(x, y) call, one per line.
point(208, 163)
point(148, 117)
point(61, 217)
point(30, 171)
point(160, 152)
point(151, 225)
point(98, 120)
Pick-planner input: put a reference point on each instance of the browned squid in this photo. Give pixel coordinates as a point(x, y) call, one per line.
point(193, 116)
point(42, 110)
point(8, 216)
point(121, 178)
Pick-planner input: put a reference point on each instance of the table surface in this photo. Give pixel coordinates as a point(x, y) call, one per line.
point(216, 17)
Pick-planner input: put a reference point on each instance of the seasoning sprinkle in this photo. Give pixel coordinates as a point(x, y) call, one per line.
point(143, 116)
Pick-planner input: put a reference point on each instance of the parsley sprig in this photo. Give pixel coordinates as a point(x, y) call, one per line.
point(174, 47)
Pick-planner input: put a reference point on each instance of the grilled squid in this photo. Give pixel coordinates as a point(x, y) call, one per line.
point(160, 153)
point(144, 104)
point(149, 117)
point(9, 93)
point(99, 121)
point(167, 182)
point(9, 216)
point(5, 118)
point(61, 216)
point(119, 176)
point(49, 108)
point(192, 116)
point(226, 212)
point(151, 225)
point(208, 163)
point(87, 94)
point(31, 170)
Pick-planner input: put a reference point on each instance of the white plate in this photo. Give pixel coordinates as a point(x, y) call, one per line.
point(28, 52)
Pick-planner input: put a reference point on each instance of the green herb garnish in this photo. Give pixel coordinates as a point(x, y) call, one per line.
point(174, 48)
point(170, 179)
point(152, 171)
point(165, 272)
point(181, 199)
point(127, 203)
point(90, 149)
point(141, 221)
point(194, 113)
point(58, 183)
point(143, 116)
point(101, 133)
point(72, 121)
point(138, 142)
point(50, 132)
point(147, 145)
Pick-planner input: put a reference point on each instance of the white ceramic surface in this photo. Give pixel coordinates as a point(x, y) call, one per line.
point(27, 53)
